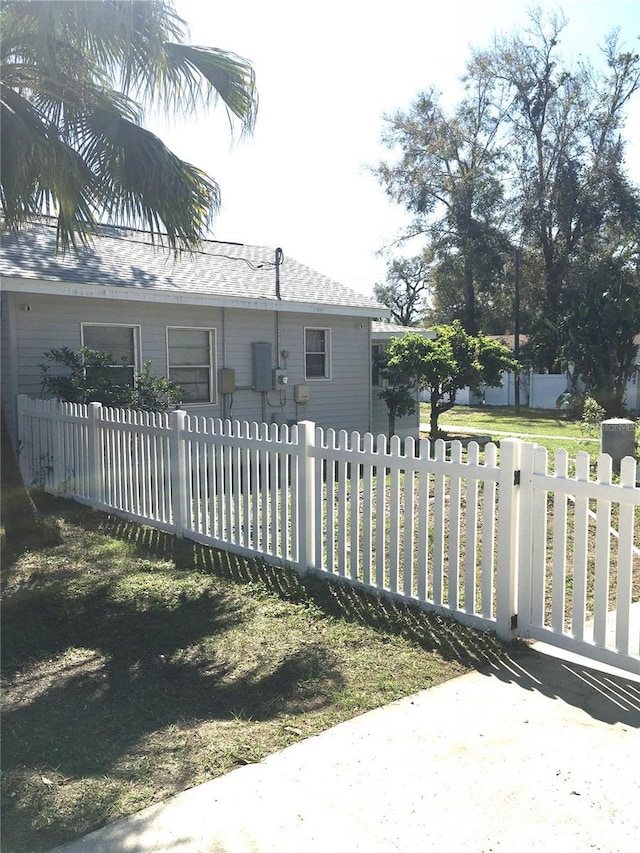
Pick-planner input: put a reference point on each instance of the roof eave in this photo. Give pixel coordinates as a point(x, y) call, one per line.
point(134, 294)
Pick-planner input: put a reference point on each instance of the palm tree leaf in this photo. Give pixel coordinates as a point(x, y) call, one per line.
point(41, 173)
point(143, 182)
point(76, 76)
point(229, 76)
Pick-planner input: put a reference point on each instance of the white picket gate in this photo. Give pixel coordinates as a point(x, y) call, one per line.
point(583, 605)
point(463, 534)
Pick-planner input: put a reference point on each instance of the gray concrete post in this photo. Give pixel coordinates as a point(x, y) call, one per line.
point(617, 438)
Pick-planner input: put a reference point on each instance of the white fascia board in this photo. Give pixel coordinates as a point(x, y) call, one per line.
point(388, 334)
point(126, 294)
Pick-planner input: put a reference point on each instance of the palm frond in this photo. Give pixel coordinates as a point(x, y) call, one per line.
point(230, 77)
point(41, 173)
point(76, 76)
point(143, 182)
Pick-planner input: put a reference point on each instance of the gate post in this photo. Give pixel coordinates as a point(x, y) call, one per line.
point(507, 557)
point(525, 538)
point(306, 496)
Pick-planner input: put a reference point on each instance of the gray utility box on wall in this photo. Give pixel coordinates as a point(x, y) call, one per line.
point(261, 355)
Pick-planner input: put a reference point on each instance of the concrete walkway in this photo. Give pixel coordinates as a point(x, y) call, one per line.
point(541, 753)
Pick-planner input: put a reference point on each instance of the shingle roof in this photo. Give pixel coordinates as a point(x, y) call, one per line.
point(127, 259)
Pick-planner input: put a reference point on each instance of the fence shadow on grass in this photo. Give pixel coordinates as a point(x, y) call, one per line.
point(610, 698)
point(333, 597)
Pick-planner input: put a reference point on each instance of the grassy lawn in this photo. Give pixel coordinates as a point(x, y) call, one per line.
point(505, 419)
point(550, 428)
point(136, 666)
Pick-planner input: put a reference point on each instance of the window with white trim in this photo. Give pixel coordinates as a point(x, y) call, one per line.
point(191, 363)
point(122, 342)
point(317, 353)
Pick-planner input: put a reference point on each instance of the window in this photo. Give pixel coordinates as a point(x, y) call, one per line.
point(121, 342)
point(317, 353)
point(190, 361)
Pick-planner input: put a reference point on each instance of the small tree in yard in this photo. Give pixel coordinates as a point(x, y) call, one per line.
point(460, 360)
point(400, 366)
point(444, 365)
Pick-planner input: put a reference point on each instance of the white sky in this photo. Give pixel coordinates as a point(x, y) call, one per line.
point(326, 73)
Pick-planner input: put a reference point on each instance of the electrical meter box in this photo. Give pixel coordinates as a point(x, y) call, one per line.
point(280, 379)
point(227, 380)
point(261, 360)
point(301, 393)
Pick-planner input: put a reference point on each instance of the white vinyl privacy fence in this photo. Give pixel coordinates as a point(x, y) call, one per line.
point(494, 538)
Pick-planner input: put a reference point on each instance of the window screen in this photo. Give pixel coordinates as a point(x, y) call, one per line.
point(316, 353)
point(190, 360)
point(121, 343)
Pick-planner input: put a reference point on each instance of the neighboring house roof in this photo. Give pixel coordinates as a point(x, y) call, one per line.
point(510, 340)
point(381, 331)
point(217, 274)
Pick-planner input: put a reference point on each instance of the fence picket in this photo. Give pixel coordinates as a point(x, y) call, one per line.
point(539, 545)
point(330, 535)
point(320, 465)
point(283, 492)
point(272, 491)
point(355, 514)
point(342, 538)
point(408, 518)
point(471, 532)
point(580, 550)
point(559, 575)
point(245, 480)
point(455, 494)
point(507, 556)
point(439, 525)
point(380, 488)
point(603, 554)
point(489, 513)
point(423, 521)
point(625, 559)
point(394, 515)
point(367, 507)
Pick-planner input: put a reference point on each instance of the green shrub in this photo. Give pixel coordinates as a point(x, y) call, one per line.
point(90, 378)
point(592, 416)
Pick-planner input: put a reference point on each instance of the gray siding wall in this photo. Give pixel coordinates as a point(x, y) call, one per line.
point(341, 402)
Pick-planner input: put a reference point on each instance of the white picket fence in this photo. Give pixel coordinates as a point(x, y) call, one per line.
point(460, 532)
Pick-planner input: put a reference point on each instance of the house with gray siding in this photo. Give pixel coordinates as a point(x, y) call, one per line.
point(246, 331)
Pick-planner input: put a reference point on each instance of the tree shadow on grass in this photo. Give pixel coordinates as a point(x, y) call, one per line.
point(95, 678)
point(109, 722)
point(430, 631)
point(142, 678)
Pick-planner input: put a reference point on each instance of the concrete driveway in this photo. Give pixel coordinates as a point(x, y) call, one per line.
point(541, 753)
